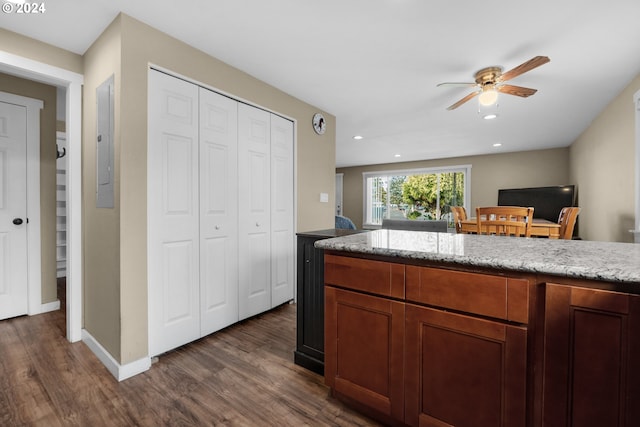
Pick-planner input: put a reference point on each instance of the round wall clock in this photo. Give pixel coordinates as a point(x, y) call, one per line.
point(319, 123)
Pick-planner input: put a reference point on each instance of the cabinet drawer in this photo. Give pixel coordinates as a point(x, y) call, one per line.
point(377, 277)
point(482, 294)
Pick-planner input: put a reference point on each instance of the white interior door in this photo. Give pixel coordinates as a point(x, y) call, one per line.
point(14, 297)
point(254, 210)
point(339, 184)
point(282, 229)
point(173, 213)
point(218, 211)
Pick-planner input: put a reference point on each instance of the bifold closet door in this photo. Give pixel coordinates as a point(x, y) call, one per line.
point(282, 228)
point(173, 213)
point(254, 179)
point(218, 211)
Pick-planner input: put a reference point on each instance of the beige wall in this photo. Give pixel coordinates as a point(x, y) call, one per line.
point(488, 174)
point(141, 45)
point(115, 289)
point(47, 94)
point(26, 47)
point(101, 294)
point(603, 165)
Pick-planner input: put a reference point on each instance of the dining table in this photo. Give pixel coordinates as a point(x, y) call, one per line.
point(539, 227)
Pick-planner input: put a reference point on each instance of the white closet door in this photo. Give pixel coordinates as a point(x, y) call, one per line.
point(173, 213)
point(218, 211)
point(14, 298)
point(254, 227)
point(282, 229)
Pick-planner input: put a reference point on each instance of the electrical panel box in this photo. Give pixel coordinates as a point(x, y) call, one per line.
point(104, 145)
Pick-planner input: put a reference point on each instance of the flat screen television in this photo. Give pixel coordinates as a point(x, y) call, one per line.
point(546, 201)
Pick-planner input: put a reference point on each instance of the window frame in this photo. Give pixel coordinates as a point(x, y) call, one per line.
point(466, 169)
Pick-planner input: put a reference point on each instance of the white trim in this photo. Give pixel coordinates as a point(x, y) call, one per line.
point(119, 372)
point(49, 74)
point(50, 306)
point(34, 264)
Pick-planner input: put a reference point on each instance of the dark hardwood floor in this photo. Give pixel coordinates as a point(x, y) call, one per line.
point(241, 376)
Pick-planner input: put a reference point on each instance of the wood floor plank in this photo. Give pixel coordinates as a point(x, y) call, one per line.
point(243, 375)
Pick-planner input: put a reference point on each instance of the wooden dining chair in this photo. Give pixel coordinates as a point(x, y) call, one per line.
point(504, 220)
point(459, 215)
point(567, 221)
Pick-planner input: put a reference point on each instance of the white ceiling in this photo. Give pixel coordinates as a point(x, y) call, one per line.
point(375, 64)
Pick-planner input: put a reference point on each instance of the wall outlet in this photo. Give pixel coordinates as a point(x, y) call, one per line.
point(324, 197)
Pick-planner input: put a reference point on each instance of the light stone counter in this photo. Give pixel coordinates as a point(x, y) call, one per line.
point(602, 261)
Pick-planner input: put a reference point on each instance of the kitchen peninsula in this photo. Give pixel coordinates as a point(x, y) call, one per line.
point(439, 329)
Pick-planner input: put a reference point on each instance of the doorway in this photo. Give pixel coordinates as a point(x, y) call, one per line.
point(44, 73)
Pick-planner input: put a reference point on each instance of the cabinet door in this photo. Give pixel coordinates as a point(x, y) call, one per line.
point(173, 214)
point(364, 338)
point(218, 211)
point(463, 371)
point(310, 306)
point(592, 349)
point(254, 180)
point(282, 230)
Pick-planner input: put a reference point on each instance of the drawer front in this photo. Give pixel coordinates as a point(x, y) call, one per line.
point(376, 277)
point(482, 294)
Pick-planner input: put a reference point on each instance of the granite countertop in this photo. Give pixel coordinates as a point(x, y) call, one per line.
point(604, 261)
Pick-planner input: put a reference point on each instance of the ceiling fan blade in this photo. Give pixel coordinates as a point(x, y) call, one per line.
point(456, 84)
point(463, 100)
point(516, 90)
point(524, 67)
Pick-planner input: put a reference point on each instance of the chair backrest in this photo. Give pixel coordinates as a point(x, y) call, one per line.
point(415, 225)
point(504, 220)
point(459, 215)
point(344, 223)
point(567, 221)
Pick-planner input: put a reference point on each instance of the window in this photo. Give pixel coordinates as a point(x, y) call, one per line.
point(419, 194)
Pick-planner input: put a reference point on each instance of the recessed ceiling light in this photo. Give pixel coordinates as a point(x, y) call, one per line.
point(397, 155)
point(490, 116)
point(497, 144)
point(358, 137)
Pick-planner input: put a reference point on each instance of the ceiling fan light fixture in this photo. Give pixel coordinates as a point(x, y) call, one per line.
point(489, 96)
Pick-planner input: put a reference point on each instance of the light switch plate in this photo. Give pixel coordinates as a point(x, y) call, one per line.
point(324, 197)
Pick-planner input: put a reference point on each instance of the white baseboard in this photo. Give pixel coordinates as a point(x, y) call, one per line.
point(120, 372)
point(50, 306)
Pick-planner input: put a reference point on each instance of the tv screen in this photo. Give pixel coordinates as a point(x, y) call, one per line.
point(546, 201)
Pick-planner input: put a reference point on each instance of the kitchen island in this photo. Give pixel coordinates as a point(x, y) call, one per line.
point(439, 329)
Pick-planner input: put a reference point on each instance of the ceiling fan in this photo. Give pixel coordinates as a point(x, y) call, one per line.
point(490, 81)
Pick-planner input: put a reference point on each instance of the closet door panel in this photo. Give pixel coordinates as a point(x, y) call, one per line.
point(254, 210)
point(172, 205)
point(218, 211)
point(282, 223)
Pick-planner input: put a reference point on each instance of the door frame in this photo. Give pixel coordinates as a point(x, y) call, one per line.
point(34, 262)
point(45, 73)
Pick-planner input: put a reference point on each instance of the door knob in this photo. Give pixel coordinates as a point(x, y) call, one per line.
point(17, 221)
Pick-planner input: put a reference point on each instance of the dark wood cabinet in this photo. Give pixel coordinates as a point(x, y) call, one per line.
point(309, 350)
point(364, 351)
point(425, 346)
point(467, 367)
point(463, 371)
point(592, 354)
